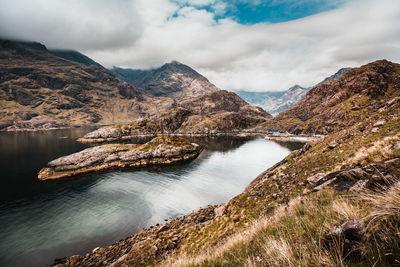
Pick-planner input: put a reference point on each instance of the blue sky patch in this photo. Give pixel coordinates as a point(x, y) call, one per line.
point(271, 11)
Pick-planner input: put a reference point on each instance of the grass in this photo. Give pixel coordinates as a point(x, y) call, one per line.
point(165, 140)
point(248, 235)
point(293, 236)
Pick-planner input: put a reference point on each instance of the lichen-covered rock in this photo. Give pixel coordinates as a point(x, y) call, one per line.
point(159, 151)
point(347, 237)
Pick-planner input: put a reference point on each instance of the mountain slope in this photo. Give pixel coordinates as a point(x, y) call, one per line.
point(276, 102)
point(341, 103)
point(36, 83)
point(174, 80)
point(75, 56)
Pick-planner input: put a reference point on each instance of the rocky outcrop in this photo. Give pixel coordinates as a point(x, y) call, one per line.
point(159, 151)
point(41, 122)
point(357, 179)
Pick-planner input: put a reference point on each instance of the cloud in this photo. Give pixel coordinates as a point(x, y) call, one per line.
point(88, 24)
point(257, 57)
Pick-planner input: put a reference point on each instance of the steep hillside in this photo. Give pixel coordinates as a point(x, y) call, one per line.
point(174, 80)
point(214, 113)
point(341, 103)
point(335, 202)
point(276, 102)
point(35, 83)
point(75, 56)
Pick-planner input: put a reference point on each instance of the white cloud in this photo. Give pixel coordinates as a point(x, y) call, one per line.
point(254, 57)
point(89, 24)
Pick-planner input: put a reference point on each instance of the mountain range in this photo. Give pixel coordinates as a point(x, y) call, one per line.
point(276, 102)
point(45, 89)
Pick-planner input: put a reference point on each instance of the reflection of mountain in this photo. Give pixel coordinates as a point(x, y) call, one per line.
point(289, 145)
point(220, 143)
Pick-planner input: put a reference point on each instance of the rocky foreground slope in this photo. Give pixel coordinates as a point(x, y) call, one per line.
point(159, 151)
point(335, 202)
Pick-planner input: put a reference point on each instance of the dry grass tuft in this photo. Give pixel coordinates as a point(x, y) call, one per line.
point(293, 235)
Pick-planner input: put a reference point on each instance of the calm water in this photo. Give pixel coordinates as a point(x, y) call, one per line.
point(41, 221)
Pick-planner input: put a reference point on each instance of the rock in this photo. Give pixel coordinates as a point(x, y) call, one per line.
point(359, 186)
point(158, 151)
point(347, 236)
point(315, 178)
point(332, 145)
point(220, 210)
point(379, 123)
point(375, 130)
point(163, 228)
point(154, 250)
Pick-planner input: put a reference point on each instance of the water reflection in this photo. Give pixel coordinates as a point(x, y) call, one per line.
point(40, 221)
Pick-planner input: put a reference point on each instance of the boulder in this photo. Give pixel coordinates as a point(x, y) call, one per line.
point(345, 238)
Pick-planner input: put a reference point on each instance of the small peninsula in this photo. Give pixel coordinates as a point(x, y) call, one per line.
point(158, 151)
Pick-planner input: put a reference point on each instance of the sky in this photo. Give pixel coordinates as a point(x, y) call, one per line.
point(250, 45)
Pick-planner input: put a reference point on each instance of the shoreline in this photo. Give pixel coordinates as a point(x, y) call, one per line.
point(266, 135)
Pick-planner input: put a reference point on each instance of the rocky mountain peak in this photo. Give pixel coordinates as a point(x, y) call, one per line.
point(174, 80)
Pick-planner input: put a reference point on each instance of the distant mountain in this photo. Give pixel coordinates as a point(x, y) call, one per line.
point(174, 80)
point(276, 102)
point(75, 56)
point(335, 76)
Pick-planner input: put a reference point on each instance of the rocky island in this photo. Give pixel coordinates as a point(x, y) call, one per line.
point(158, 151)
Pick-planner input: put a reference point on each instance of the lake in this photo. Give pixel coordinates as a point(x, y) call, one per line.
point(41, 221)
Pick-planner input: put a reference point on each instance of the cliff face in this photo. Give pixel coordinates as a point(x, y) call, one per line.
point(35, 82)
point(341, 103)
point(174, 80)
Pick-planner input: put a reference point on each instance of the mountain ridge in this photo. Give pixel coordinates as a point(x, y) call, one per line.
point(174, 79)
point(276, 102)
